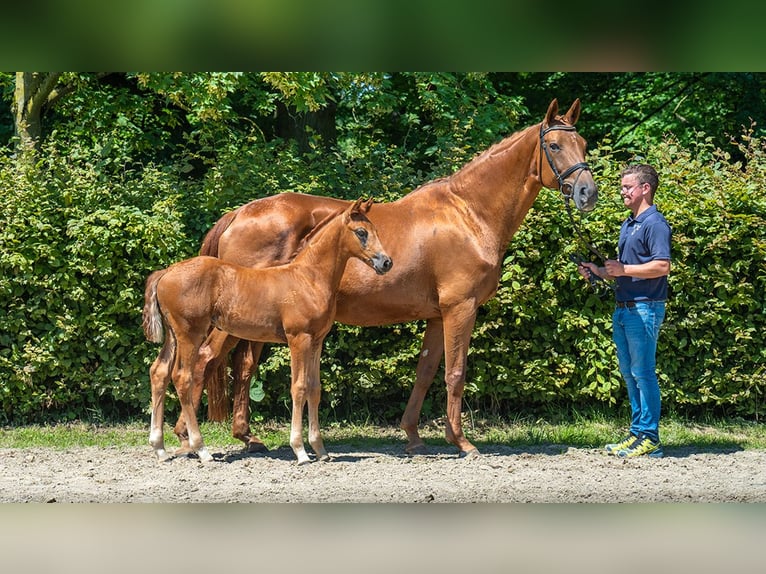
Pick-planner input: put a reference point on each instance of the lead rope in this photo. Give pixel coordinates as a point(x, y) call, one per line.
point(578, 259)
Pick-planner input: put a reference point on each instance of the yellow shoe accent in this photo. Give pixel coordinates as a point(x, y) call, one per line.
point(642, 446)
point(623, 444)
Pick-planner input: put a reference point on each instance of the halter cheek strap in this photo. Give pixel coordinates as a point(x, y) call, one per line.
point(560, 176)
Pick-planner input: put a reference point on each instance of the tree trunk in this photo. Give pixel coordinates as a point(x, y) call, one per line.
point(33, 91)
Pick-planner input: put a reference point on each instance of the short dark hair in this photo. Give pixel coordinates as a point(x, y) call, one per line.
point(645, 174)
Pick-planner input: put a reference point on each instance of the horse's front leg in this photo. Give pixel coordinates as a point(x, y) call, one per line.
point(244, 364)
point(300, 361)
point(314, 396)
point(458, 325)
point(431, 352)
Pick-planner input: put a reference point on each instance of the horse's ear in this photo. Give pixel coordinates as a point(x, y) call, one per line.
point(553, 109)
point(368, 204)
point(574, 113)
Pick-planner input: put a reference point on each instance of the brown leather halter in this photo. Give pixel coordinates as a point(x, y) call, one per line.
point(561, 176)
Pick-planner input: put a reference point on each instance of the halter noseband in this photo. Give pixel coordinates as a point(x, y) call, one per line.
point(579, 167)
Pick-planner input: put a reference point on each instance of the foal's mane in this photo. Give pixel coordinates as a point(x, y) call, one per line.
point(317, 228)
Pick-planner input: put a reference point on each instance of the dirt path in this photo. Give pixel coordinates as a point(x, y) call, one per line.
point(501, 474)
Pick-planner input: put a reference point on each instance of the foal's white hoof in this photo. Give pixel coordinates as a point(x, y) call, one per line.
point(204, 455)
point(162, 455)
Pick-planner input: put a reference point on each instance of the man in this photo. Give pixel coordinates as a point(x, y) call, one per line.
point(641, 275)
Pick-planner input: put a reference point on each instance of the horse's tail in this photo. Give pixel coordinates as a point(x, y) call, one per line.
point(153, 327)
point(210, 242)
point(216, 383)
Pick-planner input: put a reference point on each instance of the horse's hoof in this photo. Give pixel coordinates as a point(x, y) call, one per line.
point(469, 454)
point(324, 458)
point(304, 462)
point(256, 447)
point(418, 449)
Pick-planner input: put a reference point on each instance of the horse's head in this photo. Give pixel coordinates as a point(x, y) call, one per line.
point(365, 243)
point(564, 150)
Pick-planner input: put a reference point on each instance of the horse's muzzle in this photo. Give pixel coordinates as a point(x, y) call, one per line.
point(585, 196)
point(381, 263)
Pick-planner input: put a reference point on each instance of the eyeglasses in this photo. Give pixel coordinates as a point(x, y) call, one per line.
point(625, 188)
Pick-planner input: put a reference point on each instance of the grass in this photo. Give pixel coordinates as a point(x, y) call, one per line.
point(578, 430)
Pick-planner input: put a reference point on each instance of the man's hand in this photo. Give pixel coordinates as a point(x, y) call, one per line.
point(614, 268)
point(586, 268)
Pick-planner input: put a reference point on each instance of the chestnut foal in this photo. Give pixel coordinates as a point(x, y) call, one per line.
point(202, 301)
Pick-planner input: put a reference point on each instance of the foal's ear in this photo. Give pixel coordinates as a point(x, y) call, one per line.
point(368, 204)
point(354, 210)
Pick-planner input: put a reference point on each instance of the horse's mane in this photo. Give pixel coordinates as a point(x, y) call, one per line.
point(504, 145)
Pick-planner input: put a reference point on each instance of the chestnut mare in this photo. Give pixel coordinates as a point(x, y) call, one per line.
point(293, 304)
point(448, 238)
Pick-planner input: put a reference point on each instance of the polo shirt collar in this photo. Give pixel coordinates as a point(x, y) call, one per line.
point(643, 215)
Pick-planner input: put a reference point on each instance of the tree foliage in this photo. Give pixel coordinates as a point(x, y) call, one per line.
point(131, 170)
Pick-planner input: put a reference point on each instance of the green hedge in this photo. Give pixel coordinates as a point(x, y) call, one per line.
point(76, 246)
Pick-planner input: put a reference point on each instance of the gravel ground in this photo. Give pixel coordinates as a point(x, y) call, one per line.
point(381, 538)
point(556, 474)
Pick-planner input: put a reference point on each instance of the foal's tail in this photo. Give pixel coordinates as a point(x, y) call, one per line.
point(152, 323)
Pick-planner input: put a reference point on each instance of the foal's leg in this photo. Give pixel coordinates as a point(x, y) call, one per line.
point(244, 363)
point(314, 396)
point(458, 325)
point(431, 352)
point(207, 363)
point(183, 375)
point(209, 357)
point(159, 376)
point(300, 360)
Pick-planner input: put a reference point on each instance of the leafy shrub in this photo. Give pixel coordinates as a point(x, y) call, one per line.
point(75, 253)
point(77, 243)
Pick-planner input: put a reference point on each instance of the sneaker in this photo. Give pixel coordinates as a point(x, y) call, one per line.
point(643, 445)
point(612, 448)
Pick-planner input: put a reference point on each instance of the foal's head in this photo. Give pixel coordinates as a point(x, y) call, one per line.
point(363, 241)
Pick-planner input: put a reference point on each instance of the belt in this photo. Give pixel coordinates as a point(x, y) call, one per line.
point(623, 304)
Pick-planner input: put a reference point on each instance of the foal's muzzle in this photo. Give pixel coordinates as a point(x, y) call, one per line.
point(381, 263)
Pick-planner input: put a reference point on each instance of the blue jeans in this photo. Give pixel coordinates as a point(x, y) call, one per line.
point(635, 331)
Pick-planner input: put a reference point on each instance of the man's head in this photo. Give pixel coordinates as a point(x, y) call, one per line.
point(636, 177)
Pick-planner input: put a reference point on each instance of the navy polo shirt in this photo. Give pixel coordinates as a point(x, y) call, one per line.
point(642, 239)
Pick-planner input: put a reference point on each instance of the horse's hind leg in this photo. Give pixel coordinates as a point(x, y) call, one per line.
point(431, 353)
point(159, 376)
point(244, 363)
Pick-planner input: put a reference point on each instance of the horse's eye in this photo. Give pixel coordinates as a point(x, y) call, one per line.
point(361, 234)
point(554, 146)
